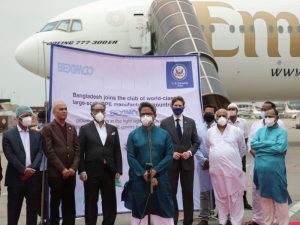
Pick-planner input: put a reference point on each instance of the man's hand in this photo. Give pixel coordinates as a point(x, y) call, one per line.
point(71, 172)
point(117, 176)
point(252, 152)
point(83, 176)
point(205, 165)
point(65, 173)
point(186, 155)
point(28, 172)
point(154, 181)
point(176, 155)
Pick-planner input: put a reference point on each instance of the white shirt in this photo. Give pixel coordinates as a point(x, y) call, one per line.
point(26, 144)
point(225, 155)
point(242, 124)
point(101, 131)
point(180, 122)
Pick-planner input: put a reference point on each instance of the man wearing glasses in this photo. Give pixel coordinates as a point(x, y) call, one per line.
point(61, 147)
point(100, 164)
point(22, 147)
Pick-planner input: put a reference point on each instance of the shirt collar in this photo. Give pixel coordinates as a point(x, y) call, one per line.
point(21, 130)
point(97, 125)
point(180, 118)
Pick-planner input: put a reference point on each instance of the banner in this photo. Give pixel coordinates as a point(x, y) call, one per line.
point(80, 77)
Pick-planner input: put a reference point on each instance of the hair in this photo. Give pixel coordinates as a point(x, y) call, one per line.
point(177, 98)
point(41, 115)
point(273, 105)
point(98, 103)
point(275, 111)
point(147, 104)
point(210, 106)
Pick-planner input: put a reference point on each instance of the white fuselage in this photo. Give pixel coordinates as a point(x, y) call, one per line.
point(256, 43)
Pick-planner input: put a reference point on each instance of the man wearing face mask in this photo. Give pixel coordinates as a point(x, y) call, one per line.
point(257, 212)
point(61, 147)
point(226, 147)
point(22, 147)
point(186, 142)
point(241, 123)
point(100, 164)
point(206, 189)
point(149, 144)
point(270, 144)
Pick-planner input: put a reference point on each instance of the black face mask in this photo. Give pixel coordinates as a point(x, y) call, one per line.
point(208, 117)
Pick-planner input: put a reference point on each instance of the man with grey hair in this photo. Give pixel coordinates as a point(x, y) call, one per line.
point(226, 147)
point(61, 147)
point(22, 147)
point(100, 164)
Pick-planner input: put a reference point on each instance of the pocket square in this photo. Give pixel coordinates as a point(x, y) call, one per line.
point(113, 133)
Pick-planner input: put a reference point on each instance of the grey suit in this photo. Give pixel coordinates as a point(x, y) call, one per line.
point(18, 188)
point(184, 168)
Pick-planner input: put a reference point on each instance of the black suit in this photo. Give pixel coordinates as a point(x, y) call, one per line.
point(17, 188)
point(184, 168)
point(101, 162)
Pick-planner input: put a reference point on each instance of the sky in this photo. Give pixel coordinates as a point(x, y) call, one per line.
point(19, 20)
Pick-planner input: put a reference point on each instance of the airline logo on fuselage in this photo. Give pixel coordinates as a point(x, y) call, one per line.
point(75, 69)
point(271, 21)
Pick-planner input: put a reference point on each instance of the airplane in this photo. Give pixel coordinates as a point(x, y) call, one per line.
point(249, 50)
point(290, 112)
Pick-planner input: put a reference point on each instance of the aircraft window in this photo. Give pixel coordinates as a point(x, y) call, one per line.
point(76, 26)
point(280, 29)
point(49, 26)
point(242, 29)
point(212, 28)
point(290, 29)
point(252, 29)
point(232, 28)
point(270, 29)
point(63, 25)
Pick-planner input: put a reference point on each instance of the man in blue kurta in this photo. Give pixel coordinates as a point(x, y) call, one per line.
point(149, 144)
point(270, 144)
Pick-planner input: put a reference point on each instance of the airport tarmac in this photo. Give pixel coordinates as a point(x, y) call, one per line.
point(293, 171)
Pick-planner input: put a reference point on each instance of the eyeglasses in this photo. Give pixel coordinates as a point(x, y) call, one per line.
point(270, 116)
point(99, 110)
point(146, 114)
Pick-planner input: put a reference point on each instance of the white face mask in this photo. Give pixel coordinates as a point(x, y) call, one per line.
point(27, 121)
point(222, 121)
point(99, 117)
point(269, 122)
point(231, 113)
point(146, 120)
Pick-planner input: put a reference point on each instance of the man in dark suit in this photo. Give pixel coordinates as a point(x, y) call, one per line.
point(186, 142)
point(100, 164)
point(23, 150)
point(61, 147)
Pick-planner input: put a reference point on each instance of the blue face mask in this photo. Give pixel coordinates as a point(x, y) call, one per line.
point(178, 111)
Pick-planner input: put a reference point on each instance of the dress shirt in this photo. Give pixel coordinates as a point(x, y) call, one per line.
point(242, 124)
point(101, 131)
point(24, 134)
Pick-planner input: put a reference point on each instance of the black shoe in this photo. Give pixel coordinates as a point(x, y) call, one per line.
point(203, 222)
point(247, 206)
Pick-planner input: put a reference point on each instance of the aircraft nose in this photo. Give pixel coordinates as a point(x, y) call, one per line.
point(27, 54)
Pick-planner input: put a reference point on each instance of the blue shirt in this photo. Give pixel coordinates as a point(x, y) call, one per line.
point(271, 144)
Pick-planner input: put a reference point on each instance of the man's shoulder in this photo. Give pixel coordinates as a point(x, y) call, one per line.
point(111, 126)
point(10, 131)
point(169, 118)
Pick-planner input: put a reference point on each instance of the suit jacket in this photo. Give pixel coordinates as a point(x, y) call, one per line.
point(16, 157)
point(189, 141)
point(93, 153)
point(61, 154)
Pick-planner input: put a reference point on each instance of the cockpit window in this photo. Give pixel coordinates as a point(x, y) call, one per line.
point(49, 26)
point(76, 26)
point(63, 25)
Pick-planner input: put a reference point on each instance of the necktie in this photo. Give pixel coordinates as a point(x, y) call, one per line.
point(178, 129)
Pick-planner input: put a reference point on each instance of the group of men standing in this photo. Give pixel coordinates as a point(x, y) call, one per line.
point(157, 156)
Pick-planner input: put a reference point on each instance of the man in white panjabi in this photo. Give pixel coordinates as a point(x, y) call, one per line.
point(226, 147)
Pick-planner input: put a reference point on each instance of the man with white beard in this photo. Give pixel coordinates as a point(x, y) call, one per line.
point(226, 147)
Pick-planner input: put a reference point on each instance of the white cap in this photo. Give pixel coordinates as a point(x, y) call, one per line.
point(232, 105)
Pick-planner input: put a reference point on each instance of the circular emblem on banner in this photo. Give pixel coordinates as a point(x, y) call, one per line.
point(179, 72)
